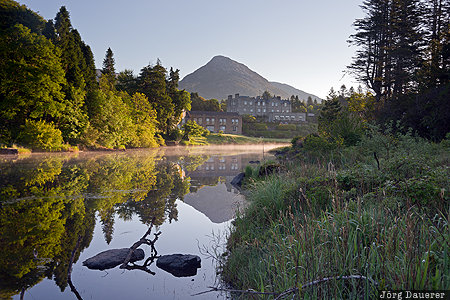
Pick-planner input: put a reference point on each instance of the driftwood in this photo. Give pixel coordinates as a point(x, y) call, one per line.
point(294, 290)
point(69, 271)
point(148, 261)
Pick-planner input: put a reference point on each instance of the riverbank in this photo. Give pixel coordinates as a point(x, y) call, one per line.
point(212, 139)
point(224, 139)
point(345, 222)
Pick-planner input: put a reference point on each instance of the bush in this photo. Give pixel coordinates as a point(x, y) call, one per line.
point(291, 127)
point(313, 142)
point(40, 135)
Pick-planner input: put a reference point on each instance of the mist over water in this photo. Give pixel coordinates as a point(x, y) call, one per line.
point(66, 207)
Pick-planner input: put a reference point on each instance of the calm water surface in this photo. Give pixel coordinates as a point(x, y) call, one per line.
point(61, 208)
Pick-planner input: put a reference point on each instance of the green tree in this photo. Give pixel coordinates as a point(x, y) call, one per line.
point(127, 82)
point(111, 117)
point(12, 13)
point(109, 70)
point(201, 104)
point(266, 95)
point(191, 128)
point(144, 118)
point(74, 63)
point(180, 99)
point(31, 77)
point(152, 83)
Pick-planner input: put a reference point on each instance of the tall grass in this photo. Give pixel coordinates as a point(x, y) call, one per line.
point(338, 216)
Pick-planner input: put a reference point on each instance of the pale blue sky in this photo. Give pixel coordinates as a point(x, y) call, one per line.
point(298, 42)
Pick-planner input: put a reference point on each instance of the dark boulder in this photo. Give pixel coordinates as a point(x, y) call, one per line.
point(179, 265)
point(237, 180)
point(111, 258)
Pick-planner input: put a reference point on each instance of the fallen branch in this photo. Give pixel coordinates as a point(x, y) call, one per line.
point(142, 240)
point(69, 272)
point(284, 293)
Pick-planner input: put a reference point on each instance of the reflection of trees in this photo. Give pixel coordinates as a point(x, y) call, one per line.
point(46, 206)
point(192, 162)
point(159, 203)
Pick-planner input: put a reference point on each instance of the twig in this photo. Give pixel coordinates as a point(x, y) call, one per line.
point(141, 241)
point(69, 272)
point(280, 295)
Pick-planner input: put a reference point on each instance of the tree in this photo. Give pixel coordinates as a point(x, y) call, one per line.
point(74, 63)
point(127, 82)
point(12, 13)
point(31, 77)
point(144, 119)
point(201, 104)
point(109, 70)
point(180, 99)
point(266, 95)
point(191, 128)
point(152, 83)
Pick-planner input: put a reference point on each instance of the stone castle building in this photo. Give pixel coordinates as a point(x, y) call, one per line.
point(216, 121)
point(274, 109)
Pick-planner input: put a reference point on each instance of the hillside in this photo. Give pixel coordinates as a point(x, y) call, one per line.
point(222, 76)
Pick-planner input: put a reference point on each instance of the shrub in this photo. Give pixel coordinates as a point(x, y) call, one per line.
point(291, 127)
point(313, 142)
point(40, 135)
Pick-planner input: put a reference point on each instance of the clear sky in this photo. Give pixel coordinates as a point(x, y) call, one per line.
point(299, 42)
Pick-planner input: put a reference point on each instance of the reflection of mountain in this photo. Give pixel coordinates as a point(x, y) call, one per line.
point(216, 202)
point(213, 194)
point(48, 203)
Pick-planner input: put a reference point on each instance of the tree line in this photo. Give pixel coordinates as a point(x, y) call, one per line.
point(51, 98)
point(403, 57)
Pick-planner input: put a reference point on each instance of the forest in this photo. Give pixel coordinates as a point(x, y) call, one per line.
point(51, 98)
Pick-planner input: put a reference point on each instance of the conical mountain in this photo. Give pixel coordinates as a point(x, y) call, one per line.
point(222, 76)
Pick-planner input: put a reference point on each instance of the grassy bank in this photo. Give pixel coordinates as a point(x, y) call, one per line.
point(345, 223)
point(221, 139)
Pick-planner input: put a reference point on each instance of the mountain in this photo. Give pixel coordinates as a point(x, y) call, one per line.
point(222, 76)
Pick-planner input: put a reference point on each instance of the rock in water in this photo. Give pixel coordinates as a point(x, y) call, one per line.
point(237, 180)
point(179, 265)
point(111, 258)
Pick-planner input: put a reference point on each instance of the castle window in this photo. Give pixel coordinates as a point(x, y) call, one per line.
point(207, 120)
point(245, 102)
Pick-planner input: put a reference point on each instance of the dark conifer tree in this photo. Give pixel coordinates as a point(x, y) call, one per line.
point(49, 31)
point(109, 70)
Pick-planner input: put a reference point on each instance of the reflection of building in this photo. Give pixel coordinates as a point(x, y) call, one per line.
point(274, 109)
point(216, 121)
point(217, 166)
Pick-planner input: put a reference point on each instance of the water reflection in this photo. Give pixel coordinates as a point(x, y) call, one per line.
point(49, 205)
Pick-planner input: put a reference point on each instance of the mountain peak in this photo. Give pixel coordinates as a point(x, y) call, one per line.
point(223, 76)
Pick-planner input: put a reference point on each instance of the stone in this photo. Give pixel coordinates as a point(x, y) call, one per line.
point(237, 180)
point(111, 258)
point(179, 265)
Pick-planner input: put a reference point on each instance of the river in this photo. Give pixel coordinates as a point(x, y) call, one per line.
point(57, 210)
